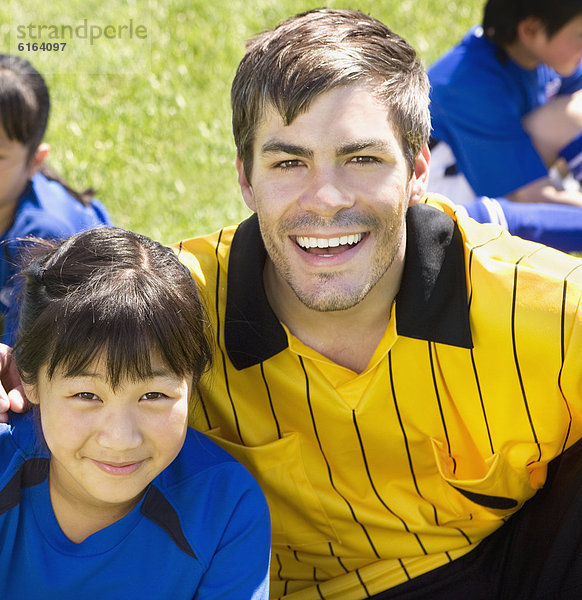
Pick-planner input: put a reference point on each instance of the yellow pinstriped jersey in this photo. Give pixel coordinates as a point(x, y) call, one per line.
point(378, 477)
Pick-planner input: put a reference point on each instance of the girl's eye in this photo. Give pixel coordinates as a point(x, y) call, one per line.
point(153, 396)
point(87, 396)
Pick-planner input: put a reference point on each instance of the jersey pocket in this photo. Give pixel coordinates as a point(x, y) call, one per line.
point(297, 516)
point(501, 490)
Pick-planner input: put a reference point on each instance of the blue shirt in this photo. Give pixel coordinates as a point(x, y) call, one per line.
point(201, 531)
point(45, 210)
point(477, 103)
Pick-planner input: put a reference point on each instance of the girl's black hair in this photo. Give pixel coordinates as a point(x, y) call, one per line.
point(24, 112)
point(109, 294)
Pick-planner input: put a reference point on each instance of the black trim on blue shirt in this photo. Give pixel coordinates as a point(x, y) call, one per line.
point(156, 508)
point(431, 304)
point(32, 472)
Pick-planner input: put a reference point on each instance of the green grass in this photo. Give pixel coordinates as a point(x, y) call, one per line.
point(147, 123)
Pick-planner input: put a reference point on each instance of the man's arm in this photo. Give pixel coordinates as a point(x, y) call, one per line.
point(11, 393)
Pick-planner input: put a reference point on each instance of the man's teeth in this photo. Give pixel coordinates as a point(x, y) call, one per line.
point(311, 242)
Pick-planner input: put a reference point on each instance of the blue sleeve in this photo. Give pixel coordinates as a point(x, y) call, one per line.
point(101, 215)
point(477, 104)
point(48, 225)
point(10, 326)
point(49, 211)
point(8, 449)
point(481, 122)
point(18, 440)
point(45, 226)
point(240, 566)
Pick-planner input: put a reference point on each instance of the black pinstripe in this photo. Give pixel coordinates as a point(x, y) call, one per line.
point(439, 404)
point(404, 569)
point(473, 363)
point(222, 354)
point(516, 359)
point(338, 558)
point(354, 517)
point(363, 584)
point(270, 400)
point(406, 443)
point(562, 352)
point(360, 441)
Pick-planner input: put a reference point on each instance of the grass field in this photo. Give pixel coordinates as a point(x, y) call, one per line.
point(146, 119)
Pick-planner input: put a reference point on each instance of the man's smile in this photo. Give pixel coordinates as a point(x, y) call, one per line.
point(338, 243)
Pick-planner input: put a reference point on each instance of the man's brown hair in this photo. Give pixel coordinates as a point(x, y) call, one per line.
point(309, 54)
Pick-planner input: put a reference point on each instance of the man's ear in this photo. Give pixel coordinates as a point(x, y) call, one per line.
point(245, 187)
point(38, 159)
point(419, 179)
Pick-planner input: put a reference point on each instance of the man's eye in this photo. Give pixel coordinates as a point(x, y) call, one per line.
point(365, 160)
point(288, 164)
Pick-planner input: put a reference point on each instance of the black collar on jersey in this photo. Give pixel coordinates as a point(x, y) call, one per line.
point(432, 301)
point(431, 304)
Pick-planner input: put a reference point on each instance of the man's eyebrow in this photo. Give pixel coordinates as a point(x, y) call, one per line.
point(372, 144)
point(275, 147)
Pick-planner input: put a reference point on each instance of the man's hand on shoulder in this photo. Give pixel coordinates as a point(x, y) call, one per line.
point(11, 393)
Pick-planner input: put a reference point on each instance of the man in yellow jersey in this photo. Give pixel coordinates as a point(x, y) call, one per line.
point(396, 376)
point(400, 379)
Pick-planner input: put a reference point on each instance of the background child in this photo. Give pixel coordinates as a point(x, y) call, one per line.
point(34, 201)
point(124, 501)
point(506, 105)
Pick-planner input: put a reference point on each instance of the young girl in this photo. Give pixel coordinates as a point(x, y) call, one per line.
point(33, 199)
point(117, 498)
